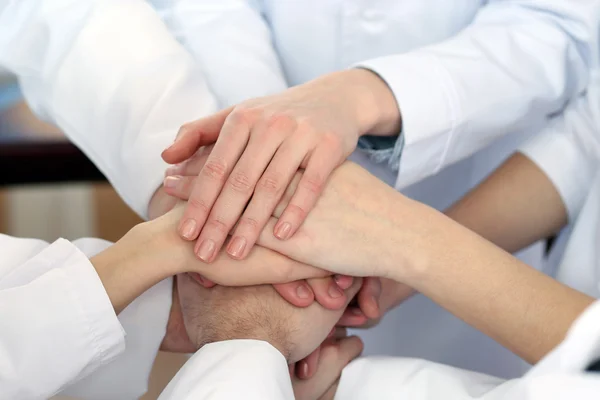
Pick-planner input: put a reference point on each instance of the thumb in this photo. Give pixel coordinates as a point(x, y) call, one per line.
point(335, 355)
point(194, 135)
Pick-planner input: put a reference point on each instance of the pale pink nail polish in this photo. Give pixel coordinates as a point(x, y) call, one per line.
point(283, 231)
point(206, 250)
point(237, 246)
point(171, 181)
point(188, 230)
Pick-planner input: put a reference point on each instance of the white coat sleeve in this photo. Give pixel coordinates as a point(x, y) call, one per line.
point(58, 329)
point(568, 149)
point(560, 375)
point(232, 42)
point(56, 321)
point(517, 63)
point(234, 369)
point(111, 76)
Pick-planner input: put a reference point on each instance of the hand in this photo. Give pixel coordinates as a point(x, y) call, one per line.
point(328, 291)
point(261, 143)
point(255, 312)
point(176, 339)
point(353, 229)
point(375, 298)
point(336, 352)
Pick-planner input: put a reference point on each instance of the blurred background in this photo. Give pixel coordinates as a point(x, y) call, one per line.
point(48, 189)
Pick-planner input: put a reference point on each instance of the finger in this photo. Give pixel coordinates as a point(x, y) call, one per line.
point(191, 166)
point(320, 166)
point(268, 192)
point(352, 317)
point(261, 267)
point(334, 356)
point(339, 332)
point(298, 293)
point(368, 297)
point(305, 369)
point(210, 182)
point(201, 280)
point(194, 135)
point(179, 186)
point(264, 141)
point(330, 393)
point(327, 293)
point(343, 281)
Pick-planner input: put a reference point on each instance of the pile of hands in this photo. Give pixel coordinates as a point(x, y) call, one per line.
point(294, 272)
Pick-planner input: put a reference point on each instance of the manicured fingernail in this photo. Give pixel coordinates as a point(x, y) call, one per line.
point(334, 291)
point(206, 250)
point(171, 181)
point(188, 230)
point(236, 247)
point(303, 292)
point(283, 231)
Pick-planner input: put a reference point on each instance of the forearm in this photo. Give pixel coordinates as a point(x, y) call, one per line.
point(521, 308)
point(131, 266)
point(514, 207)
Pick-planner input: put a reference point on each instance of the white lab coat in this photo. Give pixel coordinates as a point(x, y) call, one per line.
point(568, 151)
point(466, 73)
point(256, 371)
point(58, 329)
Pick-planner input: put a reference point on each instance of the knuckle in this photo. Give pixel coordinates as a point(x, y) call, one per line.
point(215, 170)
point(281, 121)
point(250, 224)
point(298, 212)
point(245, 114)
point(199, 205)
point(218, 225)
point(312, 183)
point(332, 141)
point(269, 184)
point(240, 182)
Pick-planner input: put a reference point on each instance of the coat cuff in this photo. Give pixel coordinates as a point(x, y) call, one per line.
point(427, 101)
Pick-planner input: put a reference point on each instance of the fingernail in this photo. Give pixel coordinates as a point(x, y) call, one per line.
point(343, 281)
point(303, 292)
point(188, 230)
point(304, 369)
point(174, 170)
point(356, 311)
point(171, 181)
point(283, 231)
point(376, 302)
point(206, 250)
point(237, 246)
point(335, 292)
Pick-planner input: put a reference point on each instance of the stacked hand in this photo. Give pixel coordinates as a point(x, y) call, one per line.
point(261, 143)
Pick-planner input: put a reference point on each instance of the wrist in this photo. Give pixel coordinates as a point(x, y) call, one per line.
point(376, 105)
point(131, 266)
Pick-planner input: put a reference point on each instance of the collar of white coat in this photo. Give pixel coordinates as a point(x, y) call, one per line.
point(580, 347)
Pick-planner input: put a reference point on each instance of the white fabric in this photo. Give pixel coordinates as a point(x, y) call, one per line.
point(58, 327)
point(252, 369)
point(235, 369)
point(109, 73)
point(569, 153)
